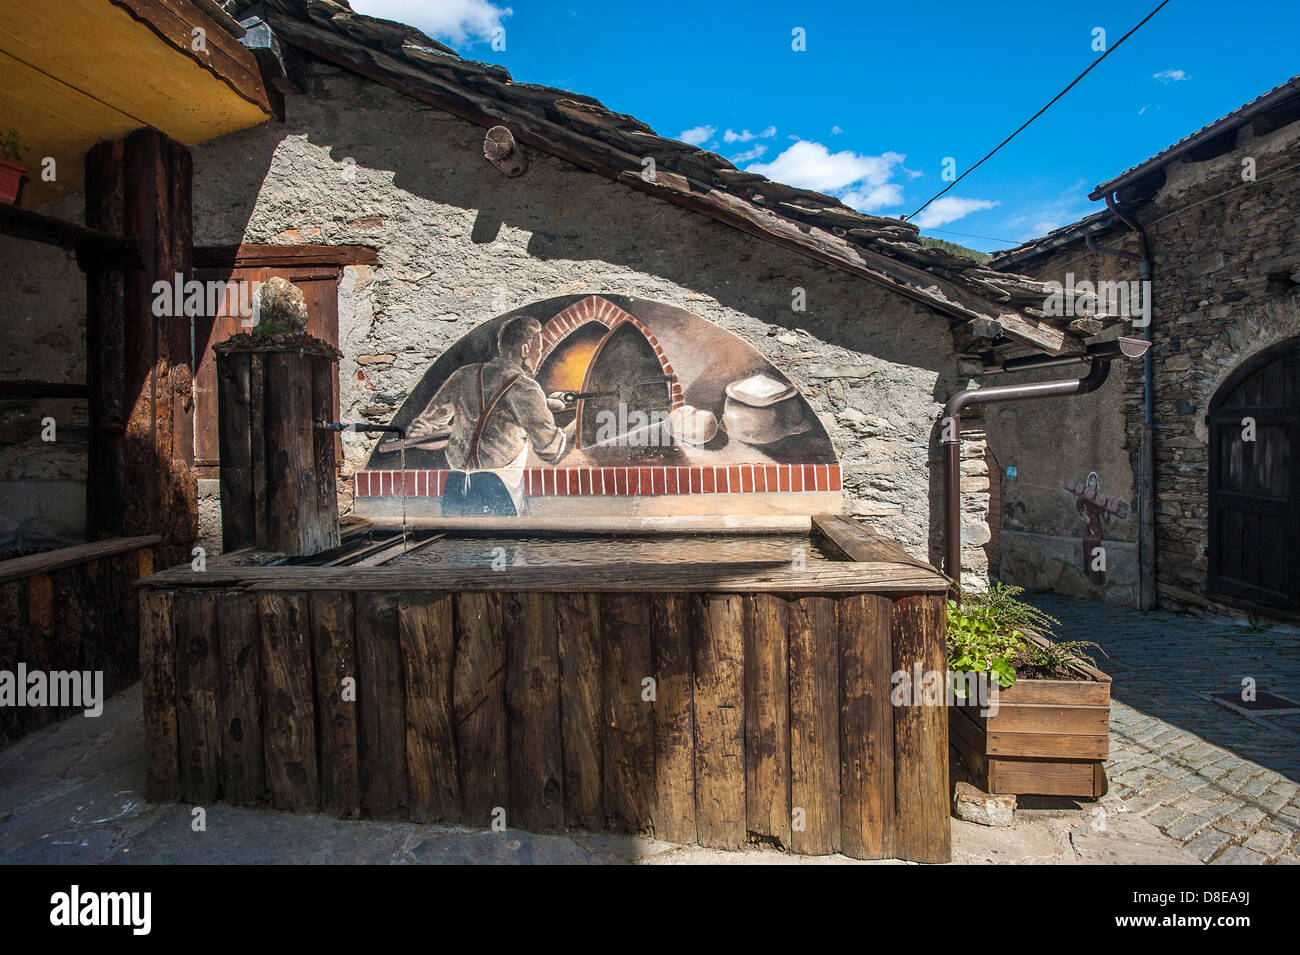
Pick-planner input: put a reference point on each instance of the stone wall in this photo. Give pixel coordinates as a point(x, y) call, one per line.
point(459, 243)
point(1226, 286)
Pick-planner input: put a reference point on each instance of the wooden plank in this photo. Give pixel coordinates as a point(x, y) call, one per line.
point(866, 728)
point(198, 722)
point(381, 749)
point(674, 719)
point(1046, 718)
point(629, 781)
point(720, 577)
point(1042, 777)
point(814, 726)
point(1059, 692)
point(577, 624)
point(334, 654)
point(104, 249)
point(858, 542)
point(428, 654)
point(533, 711)
point(967, 736)
point(281, 256)
point(921, 792)
point(289, 716)
point(718, 630)
point(243, 766)
point(158, 689)
point(479, 698)
point(53, 560)
point(767, 718)
point(235, 450)
point(1047, 745)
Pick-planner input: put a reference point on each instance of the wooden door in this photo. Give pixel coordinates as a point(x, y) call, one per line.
point(1255, 484)
point(319, 284)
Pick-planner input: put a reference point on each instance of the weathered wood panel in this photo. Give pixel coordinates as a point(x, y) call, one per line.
point(767, 717)
point(333, 640)
point(866, 729)
point(921, 790)
point(289, 714)
point(243, 767)
point(577, 624)
point(628, 716)
point(479, 699)
point(381, 749)
point(158, 690)
point(198, 680)
point(428, 651)
point(718, 625)
point(814, 726)
point(533, 711)
point(674, 719)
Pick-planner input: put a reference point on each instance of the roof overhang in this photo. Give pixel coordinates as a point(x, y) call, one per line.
point(78, 72)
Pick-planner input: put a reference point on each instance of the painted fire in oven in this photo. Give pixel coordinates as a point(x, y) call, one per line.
point(606, 402)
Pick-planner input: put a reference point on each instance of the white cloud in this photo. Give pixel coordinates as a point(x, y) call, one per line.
point(697, 135)
point(861, 181)
point(1170, 76)
point(745, 135)
point(949, 209)
point(452, 21)
point(749, 155)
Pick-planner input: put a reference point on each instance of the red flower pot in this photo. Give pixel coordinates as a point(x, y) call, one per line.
point(11, 175)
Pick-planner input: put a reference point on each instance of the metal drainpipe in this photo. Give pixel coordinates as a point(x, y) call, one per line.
point(1146, 453)
point(951, 439)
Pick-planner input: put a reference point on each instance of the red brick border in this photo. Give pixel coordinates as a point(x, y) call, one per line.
point(593, 308)
point(625, 481)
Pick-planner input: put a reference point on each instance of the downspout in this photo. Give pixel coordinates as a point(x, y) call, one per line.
point(1146, 453)
point(1099, 357)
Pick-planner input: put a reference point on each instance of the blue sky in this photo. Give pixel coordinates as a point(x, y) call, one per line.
point(885, 92)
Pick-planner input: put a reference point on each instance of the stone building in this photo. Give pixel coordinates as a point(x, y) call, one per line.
point(413, 238)
point(1199, 469)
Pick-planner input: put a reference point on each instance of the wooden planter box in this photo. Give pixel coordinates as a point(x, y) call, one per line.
point(1047, 738)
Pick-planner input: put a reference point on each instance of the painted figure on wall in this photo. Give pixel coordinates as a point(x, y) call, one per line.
point(1095, 509)
point(602, 405)
point(486, 416)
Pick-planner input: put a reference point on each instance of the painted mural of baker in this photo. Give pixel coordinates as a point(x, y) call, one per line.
point(490, 414)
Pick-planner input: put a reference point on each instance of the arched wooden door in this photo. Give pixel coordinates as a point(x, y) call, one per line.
point(1255, 485)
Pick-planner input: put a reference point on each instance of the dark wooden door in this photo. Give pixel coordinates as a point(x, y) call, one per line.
point(319, 284)
point(1255, 485)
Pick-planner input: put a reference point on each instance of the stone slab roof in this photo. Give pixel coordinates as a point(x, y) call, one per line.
point(988, 310)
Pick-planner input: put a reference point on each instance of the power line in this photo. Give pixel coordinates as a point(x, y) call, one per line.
point(1075, 82)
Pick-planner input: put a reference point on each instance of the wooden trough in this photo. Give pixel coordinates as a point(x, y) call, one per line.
point(704, 703)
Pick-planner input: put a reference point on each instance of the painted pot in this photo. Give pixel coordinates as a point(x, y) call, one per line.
point(761, 410)
point(11, 175)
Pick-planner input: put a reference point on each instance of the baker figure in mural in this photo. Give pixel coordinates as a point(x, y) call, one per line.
point(495, 411)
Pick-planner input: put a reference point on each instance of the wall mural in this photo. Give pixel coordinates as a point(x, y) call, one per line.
point(602, 404)
point(1094, 508)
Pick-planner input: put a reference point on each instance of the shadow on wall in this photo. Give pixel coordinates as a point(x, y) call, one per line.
point(583, 217)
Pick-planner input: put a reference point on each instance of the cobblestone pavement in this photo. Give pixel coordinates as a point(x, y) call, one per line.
point(1223, 783)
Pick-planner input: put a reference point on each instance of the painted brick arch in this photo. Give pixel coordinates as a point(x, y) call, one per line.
point(593, 308)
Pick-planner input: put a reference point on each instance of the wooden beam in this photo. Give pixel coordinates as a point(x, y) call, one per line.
point(42, 389)
point(175, 21)
point(52, 560)
point(95, 248)
point(282, 256)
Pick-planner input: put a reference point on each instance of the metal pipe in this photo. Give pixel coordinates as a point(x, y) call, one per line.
point(353, 426)
point(950, 436)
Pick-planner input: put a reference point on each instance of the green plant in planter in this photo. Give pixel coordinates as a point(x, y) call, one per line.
point(11, 145)
point(986, 633)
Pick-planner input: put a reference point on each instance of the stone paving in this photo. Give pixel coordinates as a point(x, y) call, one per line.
point(1222, 783)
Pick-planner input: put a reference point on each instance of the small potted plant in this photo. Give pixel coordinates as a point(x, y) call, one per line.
point(1044, 727)
point(11, 173)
